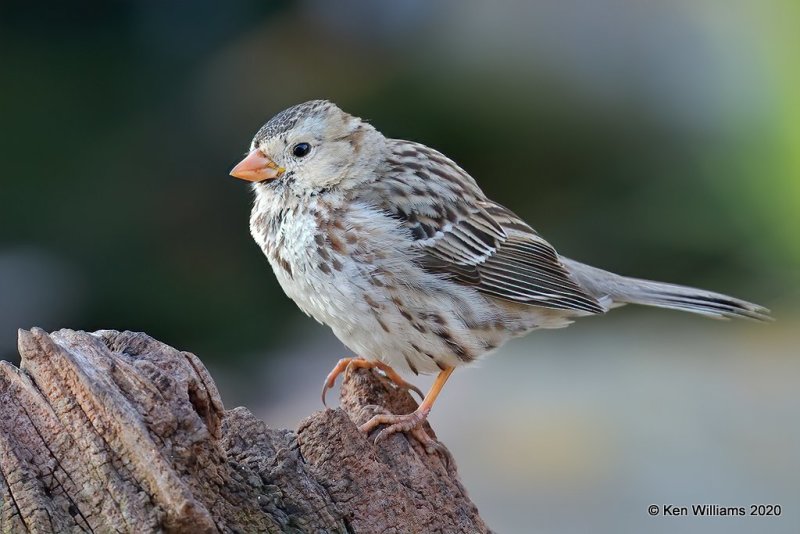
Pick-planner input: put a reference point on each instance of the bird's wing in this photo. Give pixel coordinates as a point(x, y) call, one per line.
point(470, 238)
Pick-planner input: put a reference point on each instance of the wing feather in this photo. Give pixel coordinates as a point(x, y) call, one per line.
point(473, 240)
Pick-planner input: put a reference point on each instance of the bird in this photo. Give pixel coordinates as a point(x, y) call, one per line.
point(396, 248)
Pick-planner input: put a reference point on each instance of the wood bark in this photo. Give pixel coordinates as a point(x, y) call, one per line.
point(117, 432)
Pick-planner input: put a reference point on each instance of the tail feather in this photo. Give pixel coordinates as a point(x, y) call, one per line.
point(623, 290)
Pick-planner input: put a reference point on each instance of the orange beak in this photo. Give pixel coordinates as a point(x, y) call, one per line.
point(256, 167)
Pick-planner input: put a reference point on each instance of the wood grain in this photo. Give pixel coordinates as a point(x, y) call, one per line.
point(117, 432)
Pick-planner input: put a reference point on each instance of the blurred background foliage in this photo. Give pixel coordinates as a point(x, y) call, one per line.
point(656, 139)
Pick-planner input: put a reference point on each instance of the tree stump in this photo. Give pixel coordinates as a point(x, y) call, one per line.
point(117, 432)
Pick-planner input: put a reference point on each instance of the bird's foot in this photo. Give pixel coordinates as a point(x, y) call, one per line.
point(346, 365)
point(411, 424)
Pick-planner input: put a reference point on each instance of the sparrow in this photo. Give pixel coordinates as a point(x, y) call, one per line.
point(395, 247)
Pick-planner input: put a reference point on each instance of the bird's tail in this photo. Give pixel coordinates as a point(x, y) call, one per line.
point(618, 289)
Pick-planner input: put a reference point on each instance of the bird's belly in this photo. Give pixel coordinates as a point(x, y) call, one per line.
point(422, 330)
point(380, 303)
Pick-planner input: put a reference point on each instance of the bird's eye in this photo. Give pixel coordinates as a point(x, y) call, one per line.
point(301, 149)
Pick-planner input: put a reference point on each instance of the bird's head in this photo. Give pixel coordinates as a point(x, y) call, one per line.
point(314, 145)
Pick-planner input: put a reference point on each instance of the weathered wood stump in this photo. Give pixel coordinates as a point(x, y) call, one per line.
point(116, 432)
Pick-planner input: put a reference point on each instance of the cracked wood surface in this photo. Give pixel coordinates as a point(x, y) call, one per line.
point(117, 432)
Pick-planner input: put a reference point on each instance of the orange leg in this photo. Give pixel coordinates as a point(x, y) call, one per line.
point(346, 364)
point(412, 422)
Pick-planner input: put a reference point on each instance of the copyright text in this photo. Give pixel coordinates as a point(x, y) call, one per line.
point(714, 510)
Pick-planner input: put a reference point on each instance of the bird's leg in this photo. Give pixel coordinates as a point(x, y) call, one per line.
point(345, 365)
point(412, 422)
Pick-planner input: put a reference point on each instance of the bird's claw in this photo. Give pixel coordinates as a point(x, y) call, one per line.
point(346, 366)
point(411, 424)
point(401, 384)
point(341, 365)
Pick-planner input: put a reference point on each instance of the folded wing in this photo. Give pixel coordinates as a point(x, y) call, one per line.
point(474, 241)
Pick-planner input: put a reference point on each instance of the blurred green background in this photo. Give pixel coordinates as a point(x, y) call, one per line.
point(660, 140)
